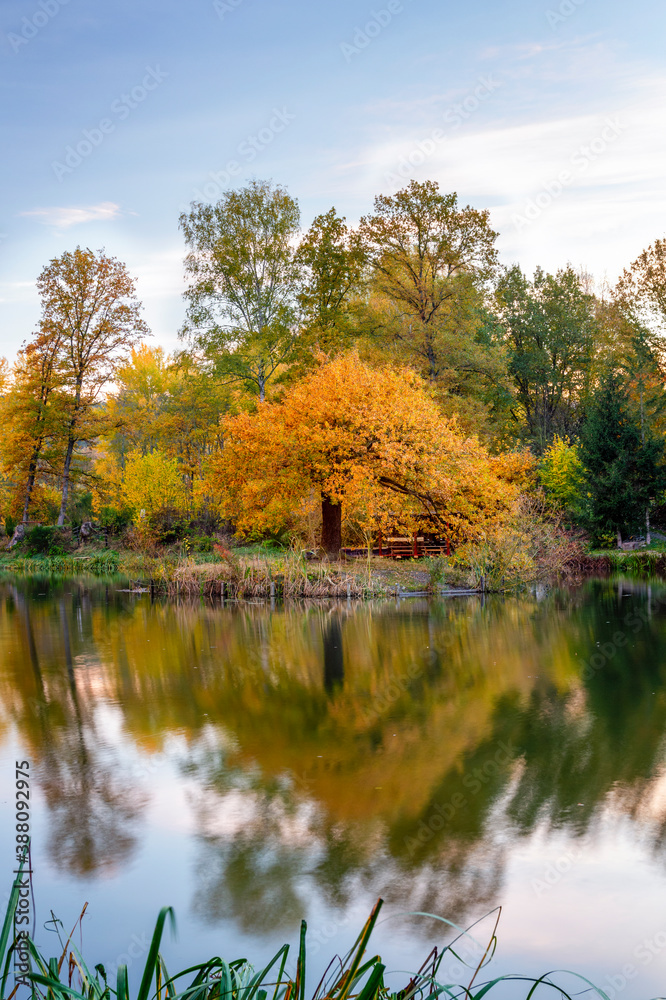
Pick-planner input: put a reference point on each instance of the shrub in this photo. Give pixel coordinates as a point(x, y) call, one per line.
point(82, 509)
point(10, 525)
point(201, 543)
point(116, 519)
point(43, 540)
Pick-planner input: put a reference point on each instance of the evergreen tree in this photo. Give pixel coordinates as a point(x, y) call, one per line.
point(623, 463)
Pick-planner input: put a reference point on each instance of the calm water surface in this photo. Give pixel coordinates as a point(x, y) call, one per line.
point(251, 767)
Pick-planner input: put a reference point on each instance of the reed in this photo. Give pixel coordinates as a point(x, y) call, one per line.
point(646, 565)
point(354, 976)
point(283, 578)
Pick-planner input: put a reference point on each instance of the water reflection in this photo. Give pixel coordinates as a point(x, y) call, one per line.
point(403, 749)
point(92, 811)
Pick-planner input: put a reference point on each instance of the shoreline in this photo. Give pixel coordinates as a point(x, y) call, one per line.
point(285, 576)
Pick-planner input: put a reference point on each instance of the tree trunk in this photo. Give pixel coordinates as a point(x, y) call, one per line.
point(30, 485)
point(70, 451)
point(65, 483)
point(619, 539)
point(647, 526)
point(331, 527)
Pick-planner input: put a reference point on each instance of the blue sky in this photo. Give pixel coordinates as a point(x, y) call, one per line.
point(117, 115)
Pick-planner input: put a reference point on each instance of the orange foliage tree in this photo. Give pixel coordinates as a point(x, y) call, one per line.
point(350, 435)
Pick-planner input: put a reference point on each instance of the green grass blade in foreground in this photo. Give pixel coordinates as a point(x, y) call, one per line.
point(250, 990)
point(541, 981)
point(300, 965)
point(343, 988)
point(152, 964)
point(375, 983)
point(168, 981)
point(122, 984)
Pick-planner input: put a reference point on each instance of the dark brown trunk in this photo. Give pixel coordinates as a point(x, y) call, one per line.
point(331, 527)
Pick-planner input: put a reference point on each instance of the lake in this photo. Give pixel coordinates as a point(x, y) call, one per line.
point(252, 766)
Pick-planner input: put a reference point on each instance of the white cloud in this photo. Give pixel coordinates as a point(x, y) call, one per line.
point(608, 209)
point(64, 217)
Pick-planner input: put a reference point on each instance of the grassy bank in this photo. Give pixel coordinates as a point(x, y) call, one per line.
point(643, 564)
point(255, 572)
point(240, 574)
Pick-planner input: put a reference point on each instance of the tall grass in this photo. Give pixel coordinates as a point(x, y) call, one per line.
point(283, 577)
point(639, 565)
point(354, 976)
point(104, 563)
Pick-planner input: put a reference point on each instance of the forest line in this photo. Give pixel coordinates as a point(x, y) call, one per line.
point(340, 383)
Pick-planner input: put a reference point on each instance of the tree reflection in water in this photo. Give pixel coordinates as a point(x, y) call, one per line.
point(92, 810)
point(399, 749)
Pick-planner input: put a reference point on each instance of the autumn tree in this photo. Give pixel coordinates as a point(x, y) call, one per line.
point(89, 302)
point(344, 429)
point(152, 487)
point(636, 351)
point(244, 278)
point(170, 403)
point(562, 474)
point(32, 411)
point(642, 286)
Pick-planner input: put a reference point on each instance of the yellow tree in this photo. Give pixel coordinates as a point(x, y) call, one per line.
point(152, 486)
point(347, 428)
point(89, 301)
point(169, 403)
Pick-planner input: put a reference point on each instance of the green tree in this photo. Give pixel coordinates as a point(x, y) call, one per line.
point(623, 462)
point(426, 255)
point(244, 281)
point(333, 263)
point(550, 330)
